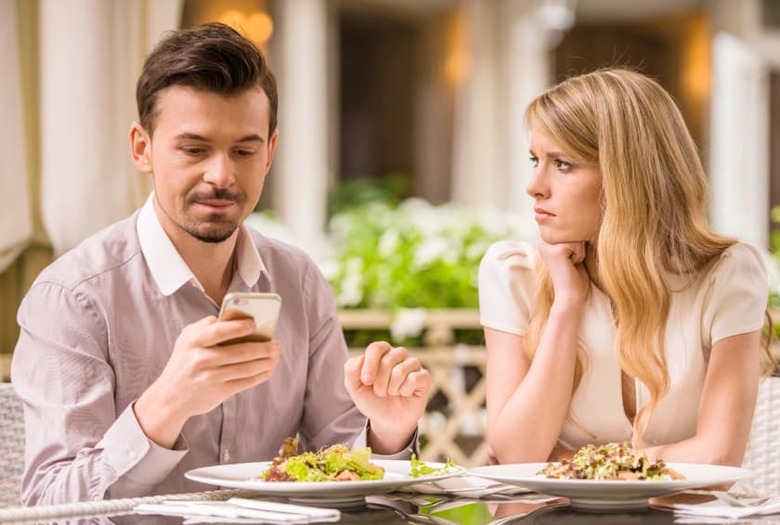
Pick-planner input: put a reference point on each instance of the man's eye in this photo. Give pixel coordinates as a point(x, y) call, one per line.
point(245, 152)
point(192, 151)
point(534, 161)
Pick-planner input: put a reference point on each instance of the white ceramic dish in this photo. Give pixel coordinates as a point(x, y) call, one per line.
point(245, 476)
point(604, 495)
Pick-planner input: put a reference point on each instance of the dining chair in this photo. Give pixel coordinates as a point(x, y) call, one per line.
point(763, 454)
point(11, 446)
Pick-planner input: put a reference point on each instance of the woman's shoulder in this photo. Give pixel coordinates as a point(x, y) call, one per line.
point(742, 257)
point(509, 254)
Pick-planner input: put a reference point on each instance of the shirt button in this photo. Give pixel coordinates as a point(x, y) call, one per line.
point(226, 455)
point(132, 455)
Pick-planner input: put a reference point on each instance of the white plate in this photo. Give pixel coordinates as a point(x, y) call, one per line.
point(604, 495)
point(245, 476)
point(464, 486)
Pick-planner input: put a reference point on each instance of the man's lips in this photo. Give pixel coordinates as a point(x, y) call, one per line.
point(215, 205)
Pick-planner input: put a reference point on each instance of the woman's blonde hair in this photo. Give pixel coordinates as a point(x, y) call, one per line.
point(654, 201)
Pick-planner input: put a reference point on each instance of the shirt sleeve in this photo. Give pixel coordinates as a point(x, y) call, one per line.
point(76, 447)
point(506, 286)
point(329, 415)
point(737, 295)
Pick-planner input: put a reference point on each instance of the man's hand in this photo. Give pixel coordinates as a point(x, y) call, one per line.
point(390, 388)
point(200, 375)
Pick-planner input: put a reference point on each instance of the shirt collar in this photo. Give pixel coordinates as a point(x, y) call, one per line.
point(167, 267)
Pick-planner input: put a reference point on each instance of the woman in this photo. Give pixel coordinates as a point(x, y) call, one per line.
point(631, 320)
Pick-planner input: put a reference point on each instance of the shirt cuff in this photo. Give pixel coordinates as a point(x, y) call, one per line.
point(405, 453)
point(136, 460)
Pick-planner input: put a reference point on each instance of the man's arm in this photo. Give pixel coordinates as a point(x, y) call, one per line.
point(76, 446)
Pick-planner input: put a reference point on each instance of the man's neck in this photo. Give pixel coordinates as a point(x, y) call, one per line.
point(211, 263)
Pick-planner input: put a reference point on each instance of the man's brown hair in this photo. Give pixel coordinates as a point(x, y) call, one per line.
point(212, 57)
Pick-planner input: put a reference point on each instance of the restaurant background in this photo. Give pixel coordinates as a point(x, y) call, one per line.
point(402, 152)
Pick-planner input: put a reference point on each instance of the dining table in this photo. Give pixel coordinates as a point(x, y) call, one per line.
point(392, 508)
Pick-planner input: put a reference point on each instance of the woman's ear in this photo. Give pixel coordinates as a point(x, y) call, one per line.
point(141, 148)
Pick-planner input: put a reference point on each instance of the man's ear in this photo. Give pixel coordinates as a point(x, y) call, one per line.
point(141, 148)
point(271, 149)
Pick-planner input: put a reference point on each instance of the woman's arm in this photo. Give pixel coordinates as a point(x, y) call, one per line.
point(527, 401)
point(727, 404)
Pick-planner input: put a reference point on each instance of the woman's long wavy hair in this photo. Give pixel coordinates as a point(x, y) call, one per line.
point(654, 201)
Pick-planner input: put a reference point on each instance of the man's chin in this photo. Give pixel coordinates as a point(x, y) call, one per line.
point(212, 235)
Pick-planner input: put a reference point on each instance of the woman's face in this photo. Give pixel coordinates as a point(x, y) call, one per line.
point(567, 196)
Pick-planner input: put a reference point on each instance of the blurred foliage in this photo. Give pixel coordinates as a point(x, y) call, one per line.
point(410, 255)
point(391, 189)
point(406, 257)
point(774, 246)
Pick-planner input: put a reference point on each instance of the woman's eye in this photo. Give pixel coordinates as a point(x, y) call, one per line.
point(534, 161)
point(562, 165)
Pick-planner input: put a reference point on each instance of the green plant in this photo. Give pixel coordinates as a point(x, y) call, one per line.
point(412, 255)
point(390, 189)
point(774, 246)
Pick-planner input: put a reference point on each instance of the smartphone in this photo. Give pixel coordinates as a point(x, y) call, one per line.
point(262, 307)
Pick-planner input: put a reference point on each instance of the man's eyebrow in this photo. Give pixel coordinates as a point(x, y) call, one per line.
point(254, 137)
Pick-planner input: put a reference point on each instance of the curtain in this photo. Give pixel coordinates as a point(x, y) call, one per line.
point(16, 226)
point(91, 54)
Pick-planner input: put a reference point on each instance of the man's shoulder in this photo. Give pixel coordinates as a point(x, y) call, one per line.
point(98, 255)
point(275, 251)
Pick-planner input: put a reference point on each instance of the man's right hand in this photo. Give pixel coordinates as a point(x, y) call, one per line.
point(200, 375)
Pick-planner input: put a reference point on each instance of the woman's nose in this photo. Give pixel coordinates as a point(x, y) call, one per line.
point(537, 186)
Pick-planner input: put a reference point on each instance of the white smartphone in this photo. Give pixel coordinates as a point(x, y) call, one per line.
point(262, 307)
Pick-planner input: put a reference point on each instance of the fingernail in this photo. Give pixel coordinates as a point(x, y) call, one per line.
point(366, 377)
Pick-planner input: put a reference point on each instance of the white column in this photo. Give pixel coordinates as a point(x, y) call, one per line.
point(510, 65)
point(530, 73)
point(91, 54)
point(478, 166)
point(301, 166)
point(739, 148)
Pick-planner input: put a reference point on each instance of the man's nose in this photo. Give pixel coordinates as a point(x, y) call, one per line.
point(220, 171)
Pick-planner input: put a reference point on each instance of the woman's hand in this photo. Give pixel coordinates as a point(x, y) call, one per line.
point(565, 263)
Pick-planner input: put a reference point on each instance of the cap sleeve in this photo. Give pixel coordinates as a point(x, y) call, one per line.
point(506, 286)
point(739, 289)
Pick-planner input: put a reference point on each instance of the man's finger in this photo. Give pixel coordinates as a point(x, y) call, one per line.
point(373, 356)
point(352, 369)
point(417, 384)
point(399, 374)
point(390, 360)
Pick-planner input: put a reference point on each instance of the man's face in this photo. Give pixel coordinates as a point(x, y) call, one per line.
point(208, 158)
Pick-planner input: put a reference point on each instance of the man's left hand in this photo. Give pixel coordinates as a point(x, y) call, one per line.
point(390, 387)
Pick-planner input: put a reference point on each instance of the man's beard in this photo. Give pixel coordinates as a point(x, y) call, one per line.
point(214, 237)
point(215, 229)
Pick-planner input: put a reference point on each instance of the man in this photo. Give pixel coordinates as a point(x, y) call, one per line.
point(119, 363)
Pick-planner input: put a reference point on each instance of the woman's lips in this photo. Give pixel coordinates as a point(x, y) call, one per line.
point(542, 215)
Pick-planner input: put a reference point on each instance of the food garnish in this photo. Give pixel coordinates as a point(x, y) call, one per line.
point(335, 463)
point(613, 461)
point(421, 468)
